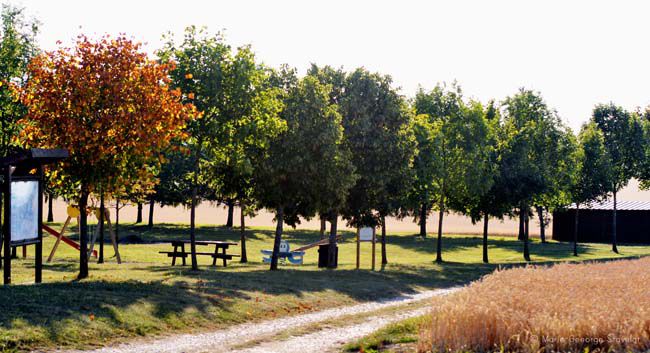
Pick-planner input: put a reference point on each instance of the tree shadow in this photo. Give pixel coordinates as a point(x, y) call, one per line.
point(553, 250)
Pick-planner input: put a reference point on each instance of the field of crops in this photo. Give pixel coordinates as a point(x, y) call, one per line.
point(567, 307)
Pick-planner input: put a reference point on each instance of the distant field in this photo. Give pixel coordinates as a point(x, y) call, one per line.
point(146, 296)
point(568, 307)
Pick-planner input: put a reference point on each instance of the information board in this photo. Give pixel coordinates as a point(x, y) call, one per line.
point(366, 234)
point(24, 210)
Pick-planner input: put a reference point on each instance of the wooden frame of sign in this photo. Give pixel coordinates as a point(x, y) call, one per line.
point(366, 234)
point(22, 188)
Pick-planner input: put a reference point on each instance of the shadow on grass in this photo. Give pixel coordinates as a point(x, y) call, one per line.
point(550, 250)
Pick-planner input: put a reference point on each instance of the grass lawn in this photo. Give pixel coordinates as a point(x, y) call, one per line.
point(146, 296)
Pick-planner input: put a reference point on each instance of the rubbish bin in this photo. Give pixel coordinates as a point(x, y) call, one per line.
point(322, 255)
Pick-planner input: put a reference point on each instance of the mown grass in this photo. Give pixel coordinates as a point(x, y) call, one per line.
point(146, 296)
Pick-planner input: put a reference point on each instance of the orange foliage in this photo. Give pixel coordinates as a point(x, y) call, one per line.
point(109, 105)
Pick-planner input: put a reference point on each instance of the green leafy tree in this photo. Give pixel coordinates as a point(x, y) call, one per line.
point(459, 141)
point(301, 172)
point(17, 47)
point(623, 137)
point(591, 172)
point(240, 112)
point(378, 133)
point(488, 202)
point(561, 153)
point(526, 161)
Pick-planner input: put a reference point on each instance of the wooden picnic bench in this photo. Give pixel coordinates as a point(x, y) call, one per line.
point(179, 251)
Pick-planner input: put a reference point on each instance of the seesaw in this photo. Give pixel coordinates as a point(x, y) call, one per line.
point(293, 256)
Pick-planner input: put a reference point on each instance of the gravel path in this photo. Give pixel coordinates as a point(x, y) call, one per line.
point(331, 340)
point(224, 340)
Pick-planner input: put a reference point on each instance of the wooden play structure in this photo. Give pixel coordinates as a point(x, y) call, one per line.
point(73, 212)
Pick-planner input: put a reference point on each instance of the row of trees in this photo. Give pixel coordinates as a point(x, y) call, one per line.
point(204, 121)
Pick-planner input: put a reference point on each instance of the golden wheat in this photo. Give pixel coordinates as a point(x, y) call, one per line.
point(568, 308)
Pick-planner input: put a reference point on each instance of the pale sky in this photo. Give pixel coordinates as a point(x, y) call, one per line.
point(577, 53)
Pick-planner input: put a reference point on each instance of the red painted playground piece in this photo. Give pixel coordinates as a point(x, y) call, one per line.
point(65, 239)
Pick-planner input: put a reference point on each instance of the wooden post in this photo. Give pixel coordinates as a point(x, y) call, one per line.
point(107, 215)
point(7, 227)
point(38, 252)
point(358, 248)
point(58, 238)
point(374, 242)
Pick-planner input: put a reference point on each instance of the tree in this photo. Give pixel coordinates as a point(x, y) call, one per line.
point(591, 172)
point(303, 170)
point(240, 114)
point(488, 202)
point(527, 153)
point(379, 136)
point(459, 136)
point(110, 107)
point(17, 48)
point(561, 152)
point(623, 138)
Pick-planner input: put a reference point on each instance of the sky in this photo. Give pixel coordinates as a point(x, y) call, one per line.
point(576, 53)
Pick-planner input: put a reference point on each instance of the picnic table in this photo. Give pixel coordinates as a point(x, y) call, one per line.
point(179, 250)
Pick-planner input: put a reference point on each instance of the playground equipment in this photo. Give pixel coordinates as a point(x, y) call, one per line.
point(293, 256)
point(73, 212)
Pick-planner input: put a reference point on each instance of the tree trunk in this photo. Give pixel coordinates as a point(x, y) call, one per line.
point(486, 219)
point(323, 226)
point(139, 217)
point(439, 242)
point(542, 226)
point(521, 225)
point(242, 228)
point(231, 212)
point(526, 249)
point(279, 215)
point(83, 234)
point(151, 206)
point(614, 248)
point(1, 229)
point(575, 232)
point(423, 220)
point(384, 259)
point(50, 206)
point(527, 224)
point(117, 221)
point(331, 248)
point(195, 265)
point(100, 220)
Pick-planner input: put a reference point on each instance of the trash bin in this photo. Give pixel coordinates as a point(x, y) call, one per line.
point(322, 255)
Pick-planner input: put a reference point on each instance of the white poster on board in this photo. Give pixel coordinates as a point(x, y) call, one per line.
point(24, 210)
point(366, 233)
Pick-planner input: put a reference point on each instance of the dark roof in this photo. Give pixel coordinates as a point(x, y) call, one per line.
point(34, 156)
point(620, 205)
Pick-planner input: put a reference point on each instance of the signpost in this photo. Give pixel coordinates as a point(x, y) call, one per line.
point(22, 186)
point(366, 234)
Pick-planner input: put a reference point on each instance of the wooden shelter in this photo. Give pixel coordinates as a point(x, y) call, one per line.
point(22, 188)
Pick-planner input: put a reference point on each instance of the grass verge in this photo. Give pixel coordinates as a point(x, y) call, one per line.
point(145, 296)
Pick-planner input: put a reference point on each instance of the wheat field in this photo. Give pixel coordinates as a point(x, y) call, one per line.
point(591, 307)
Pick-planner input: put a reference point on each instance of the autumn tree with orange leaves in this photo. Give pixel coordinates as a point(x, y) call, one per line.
point(113, 109)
